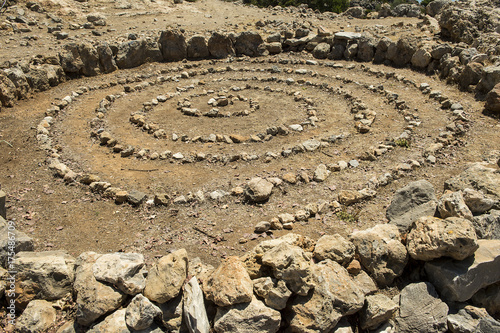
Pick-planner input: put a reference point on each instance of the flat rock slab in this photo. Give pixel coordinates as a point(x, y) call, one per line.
point(460, 280)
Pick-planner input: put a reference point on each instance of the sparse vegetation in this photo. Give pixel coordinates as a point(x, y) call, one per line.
point(348, 217)
point(403, 143)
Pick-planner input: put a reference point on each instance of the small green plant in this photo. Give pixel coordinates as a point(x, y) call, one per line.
point(403, 143)
point(347, 216)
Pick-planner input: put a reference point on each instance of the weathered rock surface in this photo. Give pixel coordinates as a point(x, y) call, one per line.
point(411, 202)
point(466, 319)
point(477, 202)
point(479, 177)
point(166, 278)
point(453, 204)
point(432, 238)
point(377, 310)
point(335, 295)
point(38, 317)
point(247, 318)
point(173, 45)
point(421, 310)
point(141, 312)
point(123, 270)
point(220, 46)
point(249, 43)
point(229, 284)
point(197, 48)
point(93, 298)
point(23, 241)
point(493, 100)
point(334, 247)
point(381, 252)
point(487, 226)
point(50, 273)
point(460, 280)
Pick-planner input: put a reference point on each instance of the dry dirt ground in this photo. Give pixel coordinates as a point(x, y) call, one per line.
point(70, 217)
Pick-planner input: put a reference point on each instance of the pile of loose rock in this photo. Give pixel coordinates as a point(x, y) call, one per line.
point(435, 267)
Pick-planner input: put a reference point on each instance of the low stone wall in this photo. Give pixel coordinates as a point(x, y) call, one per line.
point(435, 266)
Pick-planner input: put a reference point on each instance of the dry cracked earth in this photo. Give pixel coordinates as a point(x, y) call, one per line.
point(327, 99)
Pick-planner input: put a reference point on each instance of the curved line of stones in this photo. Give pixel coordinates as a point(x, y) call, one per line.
point(284, 220)
point(363, 117)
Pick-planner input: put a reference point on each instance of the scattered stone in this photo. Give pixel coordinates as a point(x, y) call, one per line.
point(258, 190)
point(321, 173)
point(262, 226)
point(166, 277)
point(421, 310)
point(432, 238)
point(381, 252)
point(136, 198)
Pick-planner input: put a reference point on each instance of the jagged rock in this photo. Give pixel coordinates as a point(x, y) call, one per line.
point(123, 270)
point(50, 273)
point(334, 247)
point(90, 59)
point(258, 190)
point(141, 313)
point(194, 308)
point(493, 100)
point(460, 280)
point(93, 298)
point(173, 45)
point(487, 226)
point(136, 52)
point(275, 293)
point(384, 11)
point(135, 198)
point(334, 295)
point(220, 46)
point(229, 284)
point(106, 58)
point(171, 313)
point(247, 318)
point(357, 12)
point(7, 91)
point(432, 238)
point(197, 48)
point(291, 264)
point(166, 277)
point(401, 52)
point(112, 323)
point(452, 204)
point(377, 310)
point(477, 202)
point(381, 50)
point(39, 316)
point(478, 177)
point(249, 43)
point(381, 252)
point(421, 310)
point(435, 7)
point(490, 78)
point(466, 319)
point(365, 283)
point(408, 10)
point(470, 75)
point(489, 298)
point(321, 51)
point(421, 58)
point(411, 202)
point(17, 76)
point(23, 241)
point(366, 48)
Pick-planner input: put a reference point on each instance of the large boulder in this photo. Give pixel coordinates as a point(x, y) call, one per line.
point(321, 51)
point(123, 270)
point(366, 49)
point(173, 45)
point(421, 58)
point(334, 247)
point(460, 280)
point(493, 100)
point(93, 298)
point(489, 298)
point(106, 58)
point(471, 75)
point(197, 48)
point(258, 190)
point(141, 313)
point(377, 310)
point(166, 277)
point(357, 12)
point(435, 7)
point(229, 284)
point(408, 10)
point(381, 252)
point(274, 292)
point(249, 43)
point(479, 177)
point(17, 76)
point(490, 78)
point(421, 310)
point(137, 52)
point(335, 294)
point(50, 273)
point(487, 226)
point(401, 52)
point(194, 307)
point(90, 59)
point(70, 59)
point(291, 264)
point(7, 91)
point(247, 318)
point(432, 238)
point(411, 202)
point(39, 316)
point(220, 46)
